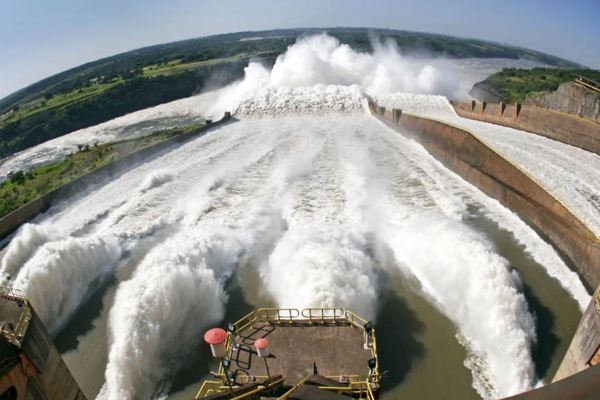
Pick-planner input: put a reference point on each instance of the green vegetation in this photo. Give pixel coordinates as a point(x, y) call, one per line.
point(22, 187)
point(513, 85)
point(130, 95)
point(181, 65)
point(107, 88)
point(50, 101)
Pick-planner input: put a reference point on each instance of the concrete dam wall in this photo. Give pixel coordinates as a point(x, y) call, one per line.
point(32, 368)
point(466, 155)
point(16, 218)
point(584, 349)
point(570, 129)
point(570, 97)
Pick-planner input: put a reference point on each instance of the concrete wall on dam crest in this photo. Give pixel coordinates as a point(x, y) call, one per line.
point(466, 155)
point(570, 129)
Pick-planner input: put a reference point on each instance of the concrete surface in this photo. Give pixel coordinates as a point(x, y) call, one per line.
point(294, 349)
point(466, 155)
point(566, 128)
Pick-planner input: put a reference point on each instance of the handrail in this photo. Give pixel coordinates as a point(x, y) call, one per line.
point(355, 388)
point(277, 314)
point(355, 319)
point(245, 322)
point(259, 389)
point(374, 377)
point(204, 389)
point(292, 389)
point(323, 314)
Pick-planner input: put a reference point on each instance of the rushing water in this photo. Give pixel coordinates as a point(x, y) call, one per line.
point(305, 201)
point(330, 210)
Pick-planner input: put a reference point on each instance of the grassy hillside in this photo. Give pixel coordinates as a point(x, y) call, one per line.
point(107, 88)
point(513, 85)
point(99, 103)
point(22, 187)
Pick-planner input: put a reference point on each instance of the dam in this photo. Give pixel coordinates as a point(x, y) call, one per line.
point(292, 194)
point(476, 268)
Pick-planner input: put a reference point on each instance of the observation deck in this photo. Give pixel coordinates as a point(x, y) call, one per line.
point(313, 353)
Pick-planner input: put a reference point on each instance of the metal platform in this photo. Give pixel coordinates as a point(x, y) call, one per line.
point(15, 314)
point(331, 345)
point(298, 348)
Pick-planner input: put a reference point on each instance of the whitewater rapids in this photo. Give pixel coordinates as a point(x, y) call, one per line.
point(567, 172)
point(321, 199)
point(317, 204)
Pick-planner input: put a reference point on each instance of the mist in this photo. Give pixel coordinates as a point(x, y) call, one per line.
point(316, 68)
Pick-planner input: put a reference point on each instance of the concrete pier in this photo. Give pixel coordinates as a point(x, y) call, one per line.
point(463, 153)
point(567, 128)
point(584, 350)
point(30, 366)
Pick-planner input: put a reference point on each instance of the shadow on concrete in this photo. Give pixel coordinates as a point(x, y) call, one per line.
point(256, 333)
point(547, 341)
point(397, 328)
point(82, 321)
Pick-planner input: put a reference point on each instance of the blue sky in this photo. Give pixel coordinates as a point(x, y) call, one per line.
point(41, 37)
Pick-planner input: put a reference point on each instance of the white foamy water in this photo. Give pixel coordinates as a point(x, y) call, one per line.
point(137, 124)
point(297, 197)
point(569, 173)
point(320, 201)
point(384, 72)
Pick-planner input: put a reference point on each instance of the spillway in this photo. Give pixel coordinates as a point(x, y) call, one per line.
point(569, 173)
point(295, 211)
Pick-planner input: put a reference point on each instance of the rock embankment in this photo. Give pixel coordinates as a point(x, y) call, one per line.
point(570, 98)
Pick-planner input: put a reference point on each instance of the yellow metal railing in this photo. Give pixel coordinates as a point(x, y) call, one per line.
point(292, 389)
point(323, 315)
point(313, 316)
point(277, 314)
point(359, 390)
point(259, 389)
point(207, 388)
point(15, 335)
point(245, 322)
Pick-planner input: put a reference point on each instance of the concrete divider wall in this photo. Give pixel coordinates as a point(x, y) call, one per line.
point(466, 155)
point(16, 218)
point(53, 381)
point(566, 128)
point(585, 343)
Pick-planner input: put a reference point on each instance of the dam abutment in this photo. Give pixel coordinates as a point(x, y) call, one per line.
point(32, 368)
point(466, 155)
point(566, 128)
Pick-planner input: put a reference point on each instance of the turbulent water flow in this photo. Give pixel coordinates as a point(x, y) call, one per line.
point(137, 124)
point(317, 203)
point(316, 195)
point(571, 174)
